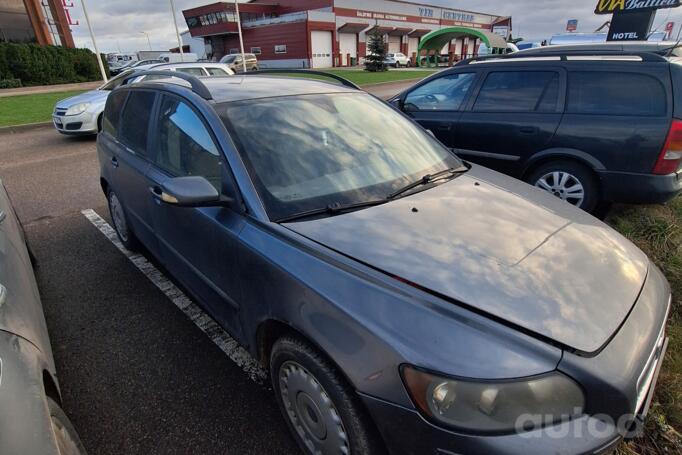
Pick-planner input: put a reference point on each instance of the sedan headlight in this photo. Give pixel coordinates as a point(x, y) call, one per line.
point(495, 406)
point(77, 108)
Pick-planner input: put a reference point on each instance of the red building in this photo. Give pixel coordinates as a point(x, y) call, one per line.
point(325, 33)
point(40, 21)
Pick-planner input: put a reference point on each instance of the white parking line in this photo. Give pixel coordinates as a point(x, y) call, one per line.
point(201, 319)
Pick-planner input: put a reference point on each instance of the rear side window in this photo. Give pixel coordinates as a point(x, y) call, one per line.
point(135, 121)
point(217, 72)
point(112, 113)
point(192, 71)
point(611, 93)
point(442, 94)
point(519, 91)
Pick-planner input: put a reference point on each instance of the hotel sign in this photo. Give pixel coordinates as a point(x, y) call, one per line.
point(624, 6)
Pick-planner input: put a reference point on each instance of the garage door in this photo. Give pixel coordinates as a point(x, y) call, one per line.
point(412, 46)
point(393, 44)
point(322, 49)
point(348, 44)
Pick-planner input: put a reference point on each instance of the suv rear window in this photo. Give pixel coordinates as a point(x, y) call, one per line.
point(604, 92)
point(519, 91)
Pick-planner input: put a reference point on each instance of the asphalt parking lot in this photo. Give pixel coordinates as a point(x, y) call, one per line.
point(137, 374)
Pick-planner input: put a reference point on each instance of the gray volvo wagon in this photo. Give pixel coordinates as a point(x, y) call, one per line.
point(403, 300)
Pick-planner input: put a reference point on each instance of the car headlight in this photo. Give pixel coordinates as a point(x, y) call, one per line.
point(495, 406)
point(77, 108)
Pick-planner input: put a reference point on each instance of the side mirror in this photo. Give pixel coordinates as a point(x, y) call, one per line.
point(188, 192)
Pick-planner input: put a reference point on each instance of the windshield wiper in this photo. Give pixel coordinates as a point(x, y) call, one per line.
point(429, 178)
point(331, 209)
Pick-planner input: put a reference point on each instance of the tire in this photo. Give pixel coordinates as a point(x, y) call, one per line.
point(322, 411)
point(68, 442)
point(564, 179)
point(120, 222)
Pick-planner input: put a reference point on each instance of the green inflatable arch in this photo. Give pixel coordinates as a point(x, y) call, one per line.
point(435, 40)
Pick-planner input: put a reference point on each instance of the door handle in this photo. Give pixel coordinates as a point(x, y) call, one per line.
point(528, 129)
point(114, 161)
point(156, 191)
point(442, 126)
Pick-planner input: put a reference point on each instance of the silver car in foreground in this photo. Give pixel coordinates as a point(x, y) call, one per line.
point(31, 419)
point(82, 114)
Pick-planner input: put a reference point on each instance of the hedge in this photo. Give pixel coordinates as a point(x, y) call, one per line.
point(45, 65)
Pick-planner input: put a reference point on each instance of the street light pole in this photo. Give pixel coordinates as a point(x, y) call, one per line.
point(94, 43)
point(177, 33)
point(149, 43)
point(239, 29)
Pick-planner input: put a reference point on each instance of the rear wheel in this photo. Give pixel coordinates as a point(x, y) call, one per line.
point(569, 181)
point(68, 442)
point(120, 220)
point(324, 414)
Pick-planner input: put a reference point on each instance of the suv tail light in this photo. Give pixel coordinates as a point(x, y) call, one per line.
point(669, 159)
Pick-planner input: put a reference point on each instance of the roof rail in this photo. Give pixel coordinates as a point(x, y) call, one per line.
point(343, 80)
point(564, 55)
point(198, 87)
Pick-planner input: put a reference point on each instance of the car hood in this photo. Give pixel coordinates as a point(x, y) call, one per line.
point(93, 97)
point(503, 248)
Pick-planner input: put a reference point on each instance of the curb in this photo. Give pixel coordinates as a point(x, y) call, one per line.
point(14, 129)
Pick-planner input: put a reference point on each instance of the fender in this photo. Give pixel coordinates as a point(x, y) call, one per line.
point(559, 152)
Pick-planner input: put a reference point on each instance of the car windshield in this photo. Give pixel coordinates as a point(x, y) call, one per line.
point(310, 151)
point(230, 59)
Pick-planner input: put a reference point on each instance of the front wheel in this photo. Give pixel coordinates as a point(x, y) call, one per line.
point(68, 442)
point(323, 413)
point(569, 181)
point(120, 220)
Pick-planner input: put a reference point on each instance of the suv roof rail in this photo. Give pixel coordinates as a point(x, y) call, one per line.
point(198, 87)
point(343, 80)
point(564, 55)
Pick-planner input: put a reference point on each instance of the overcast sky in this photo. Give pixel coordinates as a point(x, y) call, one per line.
point(118, 24)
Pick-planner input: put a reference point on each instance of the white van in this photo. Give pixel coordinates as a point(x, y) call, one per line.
point(172, 57)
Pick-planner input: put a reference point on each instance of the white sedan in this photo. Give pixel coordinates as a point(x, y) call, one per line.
point(82, 114)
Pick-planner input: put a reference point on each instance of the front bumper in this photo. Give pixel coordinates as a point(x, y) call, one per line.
point(405, 432)
point(634, 188)
point(81, 124)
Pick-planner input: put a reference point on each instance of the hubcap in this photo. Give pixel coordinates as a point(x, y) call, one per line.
point(118, 217)
point(564, 186)
point(311, 411)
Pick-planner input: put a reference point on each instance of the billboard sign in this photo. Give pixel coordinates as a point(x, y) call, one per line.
point(631, 26)
point(572, 25)
point(622, 6)
point(669, 29)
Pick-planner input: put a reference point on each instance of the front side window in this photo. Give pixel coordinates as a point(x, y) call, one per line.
point(518, 91)
point(446, 93)
point(184, 146)
point(135, 121)
point(611, 93)
point(309, 151)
